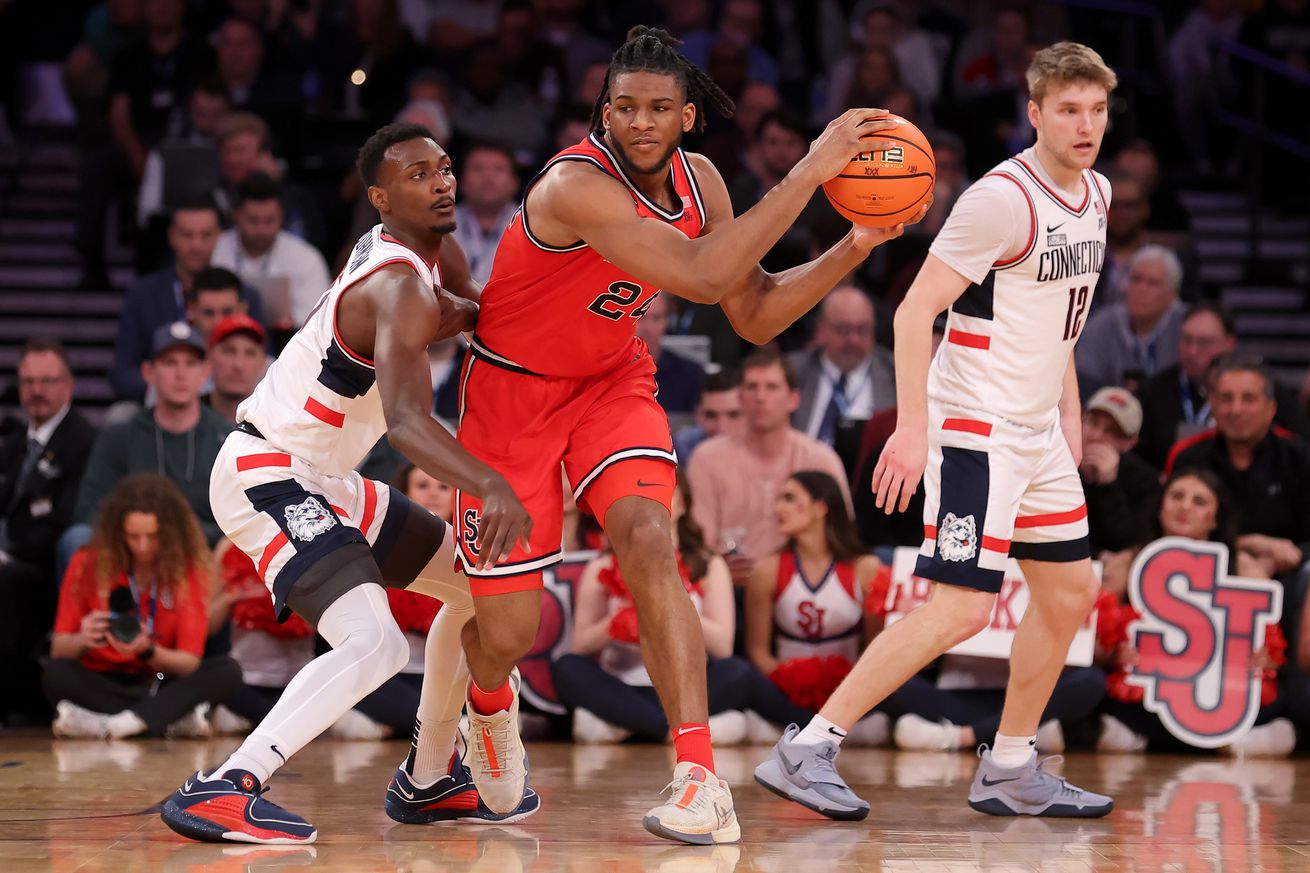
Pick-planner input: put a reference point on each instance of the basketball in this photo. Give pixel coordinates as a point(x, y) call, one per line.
point(884, 188)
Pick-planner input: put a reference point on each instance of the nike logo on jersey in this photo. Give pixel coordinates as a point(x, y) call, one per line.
point(1052, 228)
point(988, 783)
point(641, 484)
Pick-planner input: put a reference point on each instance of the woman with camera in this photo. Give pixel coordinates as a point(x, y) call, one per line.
point(130, 629)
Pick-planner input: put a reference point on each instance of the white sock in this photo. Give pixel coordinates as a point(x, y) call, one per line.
point(445, 669)
point(367, 650)
point(820, 730)
point(1011, 752)
point(124, 724)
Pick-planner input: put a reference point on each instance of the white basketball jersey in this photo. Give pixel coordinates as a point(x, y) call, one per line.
point(817, 619)
point(1009, 337)
point(319, 400)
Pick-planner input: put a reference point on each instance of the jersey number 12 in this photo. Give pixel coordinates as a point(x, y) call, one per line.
point(1073, 319)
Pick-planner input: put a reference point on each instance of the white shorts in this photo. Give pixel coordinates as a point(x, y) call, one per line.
point(996, 490)
point(288, 516)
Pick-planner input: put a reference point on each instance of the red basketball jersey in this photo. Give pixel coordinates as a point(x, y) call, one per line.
point(565, 310)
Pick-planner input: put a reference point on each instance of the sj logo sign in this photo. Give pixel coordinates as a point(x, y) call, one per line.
point(1195, 640)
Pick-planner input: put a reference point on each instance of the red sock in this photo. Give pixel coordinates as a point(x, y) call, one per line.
point(692, 743)
point(491, 702)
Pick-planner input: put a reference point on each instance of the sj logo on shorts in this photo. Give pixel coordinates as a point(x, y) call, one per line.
point(308, 519)
point(472, 531)
point(1195, 640)
point(957, 538)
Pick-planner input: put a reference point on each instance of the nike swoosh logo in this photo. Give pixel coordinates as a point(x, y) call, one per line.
point(186, 789)
point(841, 735)
point(689, 730)
point(988, 783)
point(641, 484)
point(723, 814)
point(407, 795)
point(278, 753)
point(788, 765)
point(1054, 228)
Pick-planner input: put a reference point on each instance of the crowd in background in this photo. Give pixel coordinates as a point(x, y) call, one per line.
point(217, 140)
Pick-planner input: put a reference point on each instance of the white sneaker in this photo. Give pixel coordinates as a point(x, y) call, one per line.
point(1276, 739)
point(871, 731)
point(1050, 737)
point(592, 729)
point(354, 725)
point(917, 733)
point(227, 723)
point(497, 760)
point(192, 726)
point(699, 809)
point(728, 728)
point(1118, 737)
point(72, 720)
point(760, 731)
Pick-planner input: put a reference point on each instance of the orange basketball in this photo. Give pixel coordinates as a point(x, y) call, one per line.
point(884, 188)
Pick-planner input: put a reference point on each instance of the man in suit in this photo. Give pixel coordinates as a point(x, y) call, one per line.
point(845, 378)
point(1176, 400)
point(41, 463)
point(678, 378)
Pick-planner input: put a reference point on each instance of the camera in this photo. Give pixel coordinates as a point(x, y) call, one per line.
point(123, 622)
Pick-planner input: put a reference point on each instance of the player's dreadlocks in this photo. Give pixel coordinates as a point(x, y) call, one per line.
point(652, 50)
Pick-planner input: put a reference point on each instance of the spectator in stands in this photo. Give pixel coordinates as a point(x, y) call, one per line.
point(108, 30)
point(678, 378)
point(237, 361)
point(718, 412)
point(1117, 483)
point(727, 146)
point(488, 199)
point(195, 148)
point(245, 147)
point(1126, 343)
point(562, 27)
point(532, 61)
point(1201, 80)
point(1139, 161)
point(178, 438)
point(160, 298)
point(846, 377)
point(604, 678)
point(780, 140)
point(215, 295)
point(1176, 400)
point(876, 81)
point(915, 62)
point(490, 107)
point(793, 622)
point(952, 179)
point(1266, 469)
point(102, 668)
point(740, 24)
point(41, 463)
point(239, 51)
point(387, 55)
point(1002, 66)
point(289, 273)
point(731, 477)
point(1194, 505)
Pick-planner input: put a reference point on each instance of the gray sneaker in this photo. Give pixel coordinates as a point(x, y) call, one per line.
point(1030, 790)
point(808, 775)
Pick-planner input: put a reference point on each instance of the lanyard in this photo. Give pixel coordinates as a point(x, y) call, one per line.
point(154, 602)
point(845, 398)
point(263, 268)
point(1190, 413)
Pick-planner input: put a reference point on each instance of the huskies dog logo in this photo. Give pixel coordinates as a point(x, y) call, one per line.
point(957, 538)
point(1199, 629)
point(307, 520)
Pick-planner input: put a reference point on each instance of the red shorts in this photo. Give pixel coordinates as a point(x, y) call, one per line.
point(608, 431)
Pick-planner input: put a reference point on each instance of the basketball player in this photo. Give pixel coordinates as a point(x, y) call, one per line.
point(326, 541)
point(995, 420)
point(557, 375)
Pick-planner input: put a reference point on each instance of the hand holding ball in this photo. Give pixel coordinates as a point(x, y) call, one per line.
point(884, 188)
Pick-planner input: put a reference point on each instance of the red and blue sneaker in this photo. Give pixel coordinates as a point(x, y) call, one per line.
point(453, 797)
point(230, 809)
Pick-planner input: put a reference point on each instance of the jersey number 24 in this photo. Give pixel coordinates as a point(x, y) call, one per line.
point(618, 301)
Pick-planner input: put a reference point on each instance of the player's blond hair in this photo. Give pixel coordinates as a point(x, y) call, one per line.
point(1066, 63)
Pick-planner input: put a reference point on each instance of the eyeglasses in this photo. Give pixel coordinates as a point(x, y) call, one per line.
point(43, 381)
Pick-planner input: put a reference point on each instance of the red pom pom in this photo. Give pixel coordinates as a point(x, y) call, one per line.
point(875, 602)
point(1116, 685)
point(413, 612)
point(612, 580)
point(623, 625)
point(809, 682)
point(1275, 646)
point(1268, 688)
point(238, 572)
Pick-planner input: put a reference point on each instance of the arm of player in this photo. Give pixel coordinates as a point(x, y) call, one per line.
point(577, 201)
point(406, 324)
point(461, 296)
point(763, 305)
point(1071, 412)
point(903, 459)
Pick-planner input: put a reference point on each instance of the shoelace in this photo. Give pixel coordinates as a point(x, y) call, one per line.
point(1063, 788)
point(678, 786)
point(825, 764)
point(501, 736)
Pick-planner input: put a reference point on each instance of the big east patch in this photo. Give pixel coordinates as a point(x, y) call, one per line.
point(1195, 641)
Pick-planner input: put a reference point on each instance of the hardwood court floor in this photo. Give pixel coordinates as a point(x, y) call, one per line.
point(89, 806)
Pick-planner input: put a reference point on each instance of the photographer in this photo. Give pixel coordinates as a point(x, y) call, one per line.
point(132, 618)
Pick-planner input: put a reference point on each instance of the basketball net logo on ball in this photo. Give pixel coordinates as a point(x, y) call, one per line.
point(885, 187)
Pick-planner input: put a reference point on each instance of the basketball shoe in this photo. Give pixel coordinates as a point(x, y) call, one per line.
point(453, 797)
point(497, 761)
point(699, 809)
point(808, 775)
point(1030, 790)
point(230, 808)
